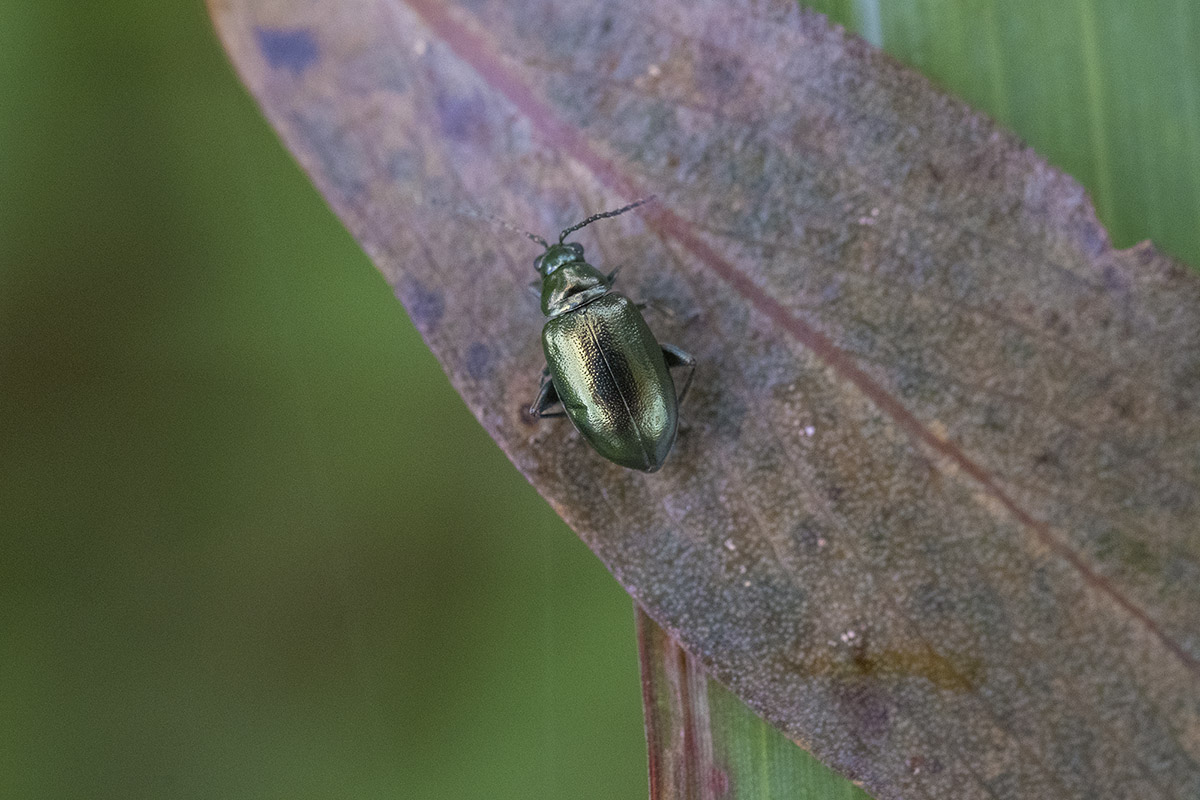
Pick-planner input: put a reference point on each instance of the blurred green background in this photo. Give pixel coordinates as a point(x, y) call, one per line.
point(253, 545)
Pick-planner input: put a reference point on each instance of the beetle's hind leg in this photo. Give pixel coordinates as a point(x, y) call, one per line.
point(547, 398)
point(680, 358)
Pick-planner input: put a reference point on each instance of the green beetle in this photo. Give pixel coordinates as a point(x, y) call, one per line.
point(602, 362)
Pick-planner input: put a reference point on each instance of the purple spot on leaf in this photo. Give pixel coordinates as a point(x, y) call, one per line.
point(479, 361)
point(463, 119)
point(294, 50)
point(723, 76)
point(424, 305)
point(1092, 237)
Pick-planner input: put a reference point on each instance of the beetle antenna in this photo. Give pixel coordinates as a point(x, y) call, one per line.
point(503, 223)
point(509, 226)
point(604, 215)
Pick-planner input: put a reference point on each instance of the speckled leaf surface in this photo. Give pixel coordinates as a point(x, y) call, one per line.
point(937, 500)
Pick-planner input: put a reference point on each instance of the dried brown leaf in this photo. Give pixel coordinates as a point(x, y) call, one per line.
point(937, 499)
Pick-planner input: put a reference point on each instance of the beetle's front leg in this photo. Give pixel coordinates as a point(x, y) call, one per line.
point(547, 398)
point(680, 358)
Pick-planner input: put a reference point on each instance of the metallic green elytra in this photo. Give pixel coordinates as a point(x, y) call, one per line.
point(602, 362)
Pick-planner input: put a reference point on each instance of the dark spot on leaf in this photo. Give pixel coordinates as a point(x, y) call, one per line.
point(294, 50)
point(1048, 459)
point(463, 118)
point(479, 361)
point(723, 76)
point(424, 305)
point(1056, 324)
point(1146, 252)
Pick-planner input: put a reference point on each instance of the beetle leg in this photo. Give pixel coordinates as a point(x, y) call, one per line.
point(547, 398)
point(535, 288)
point(612, 276)
point(680, 358)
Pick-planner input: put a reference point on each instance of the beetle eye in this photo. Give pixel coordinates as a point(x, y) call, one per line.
point(537, 263)
point(577, 248)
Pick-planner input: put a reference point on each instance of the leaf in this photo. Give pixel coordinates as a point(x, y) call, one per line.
point(937, 500)
point(705, 744)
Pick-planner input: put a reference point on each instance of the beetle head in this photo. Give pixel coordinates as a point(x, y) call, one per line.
point(556, 255)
